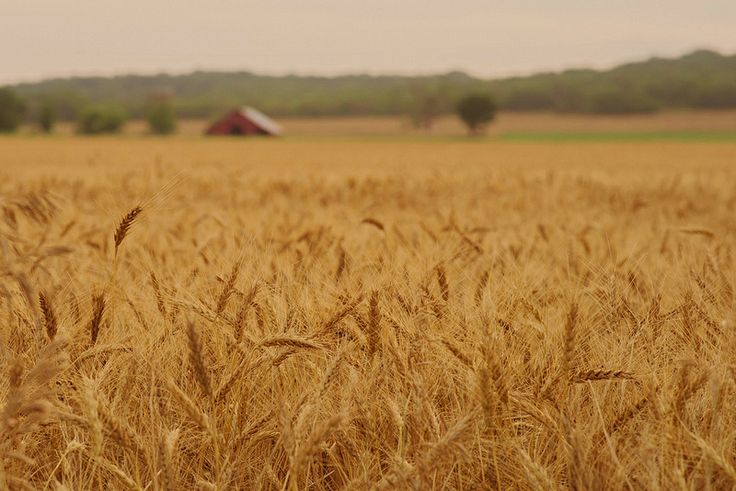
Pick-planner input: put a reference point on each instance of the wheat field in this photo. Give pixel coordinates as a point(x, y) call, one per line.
point(217, 314)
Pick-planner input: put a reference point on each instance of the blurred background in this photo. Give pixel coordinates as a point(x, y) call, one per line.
point(529, 69)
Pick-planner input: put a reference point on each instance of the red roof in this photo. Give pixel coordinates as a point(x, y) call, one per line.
point(245, 121)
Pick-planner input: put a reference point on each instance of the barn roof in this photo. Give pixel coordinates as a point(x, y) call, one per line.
point(260, 119)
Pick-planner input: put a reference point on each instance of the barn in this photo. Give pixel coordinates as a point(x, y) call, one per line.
point(244, 121)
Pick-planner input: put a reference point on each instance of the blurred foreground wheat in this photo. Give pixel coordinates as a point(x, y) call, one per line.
point(424, 318)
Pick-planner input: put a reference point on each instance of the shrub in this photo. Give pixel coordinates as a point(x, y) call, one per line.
point(96, 120)
point(161, 116)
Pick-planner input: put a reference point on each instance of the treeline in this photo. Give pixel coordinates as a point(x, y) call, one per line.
point(699, 80)
point(702, 79)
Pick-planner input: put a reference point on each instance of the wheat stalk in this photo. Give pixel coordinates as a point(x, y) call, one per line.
point(49, 316)
point(120, 431)
point(159, 295)
point(375, 223)
point(601, 374)
point(568, 352)
point(196, 360)
point(373, 326)
point(229, 287)
point(442, 282)
point(124, 227)
point(290, 341)
point(98, 311)
point(167, 460)
point(306, 451)
point(457, 353)
point(194, 413)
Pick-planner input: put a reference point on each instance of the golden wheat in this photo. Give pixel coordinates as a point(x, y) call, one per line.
point(536, 316)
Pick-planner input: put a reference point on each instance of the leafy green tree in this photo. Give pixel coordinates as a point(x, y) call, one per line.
point(476, 111)
point(47, 117)
point(161, 115)
point(96, 120)
point(12, 110)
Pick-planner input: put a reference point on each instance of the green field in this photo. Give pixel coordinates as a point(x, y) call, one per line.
point(576, 136)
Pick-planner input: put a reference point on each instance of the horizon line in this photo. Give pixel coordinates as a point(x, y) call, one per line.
point(357, 73)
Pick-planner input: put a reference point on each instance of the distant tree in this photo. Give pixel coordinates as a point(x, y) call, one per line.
point(700, 79)
point(528, 99)
point(12, 110)
point(476, 111)
point(425, 110)
point(101, 119)
point(160, 114)
point(68, 103)
point(717, 95)
point(47, 117)
point(618, 101)
point(568, 98)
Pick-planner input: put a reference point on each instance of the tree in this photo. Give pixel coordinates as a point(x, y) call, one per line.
point(95, 120)
point(12, 110)
point(425, 109)
point(161, 116)
point(476, 111)
point(47, 117)
point(528, 99)
point(620, 101)
point(721, 94)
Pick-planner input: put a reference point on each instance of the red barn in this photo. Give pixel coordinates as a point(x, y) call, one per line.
point(244, 121)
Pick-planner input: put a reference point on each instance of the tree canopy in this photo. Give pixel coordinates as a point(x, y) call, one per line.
point(160, 115)
point(702, 79)
point(476, 111)
point(12, 110)
point(95, 120)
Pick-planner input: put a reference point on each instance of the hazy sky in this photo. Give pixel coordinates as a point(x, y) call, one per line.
point(41, 38)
